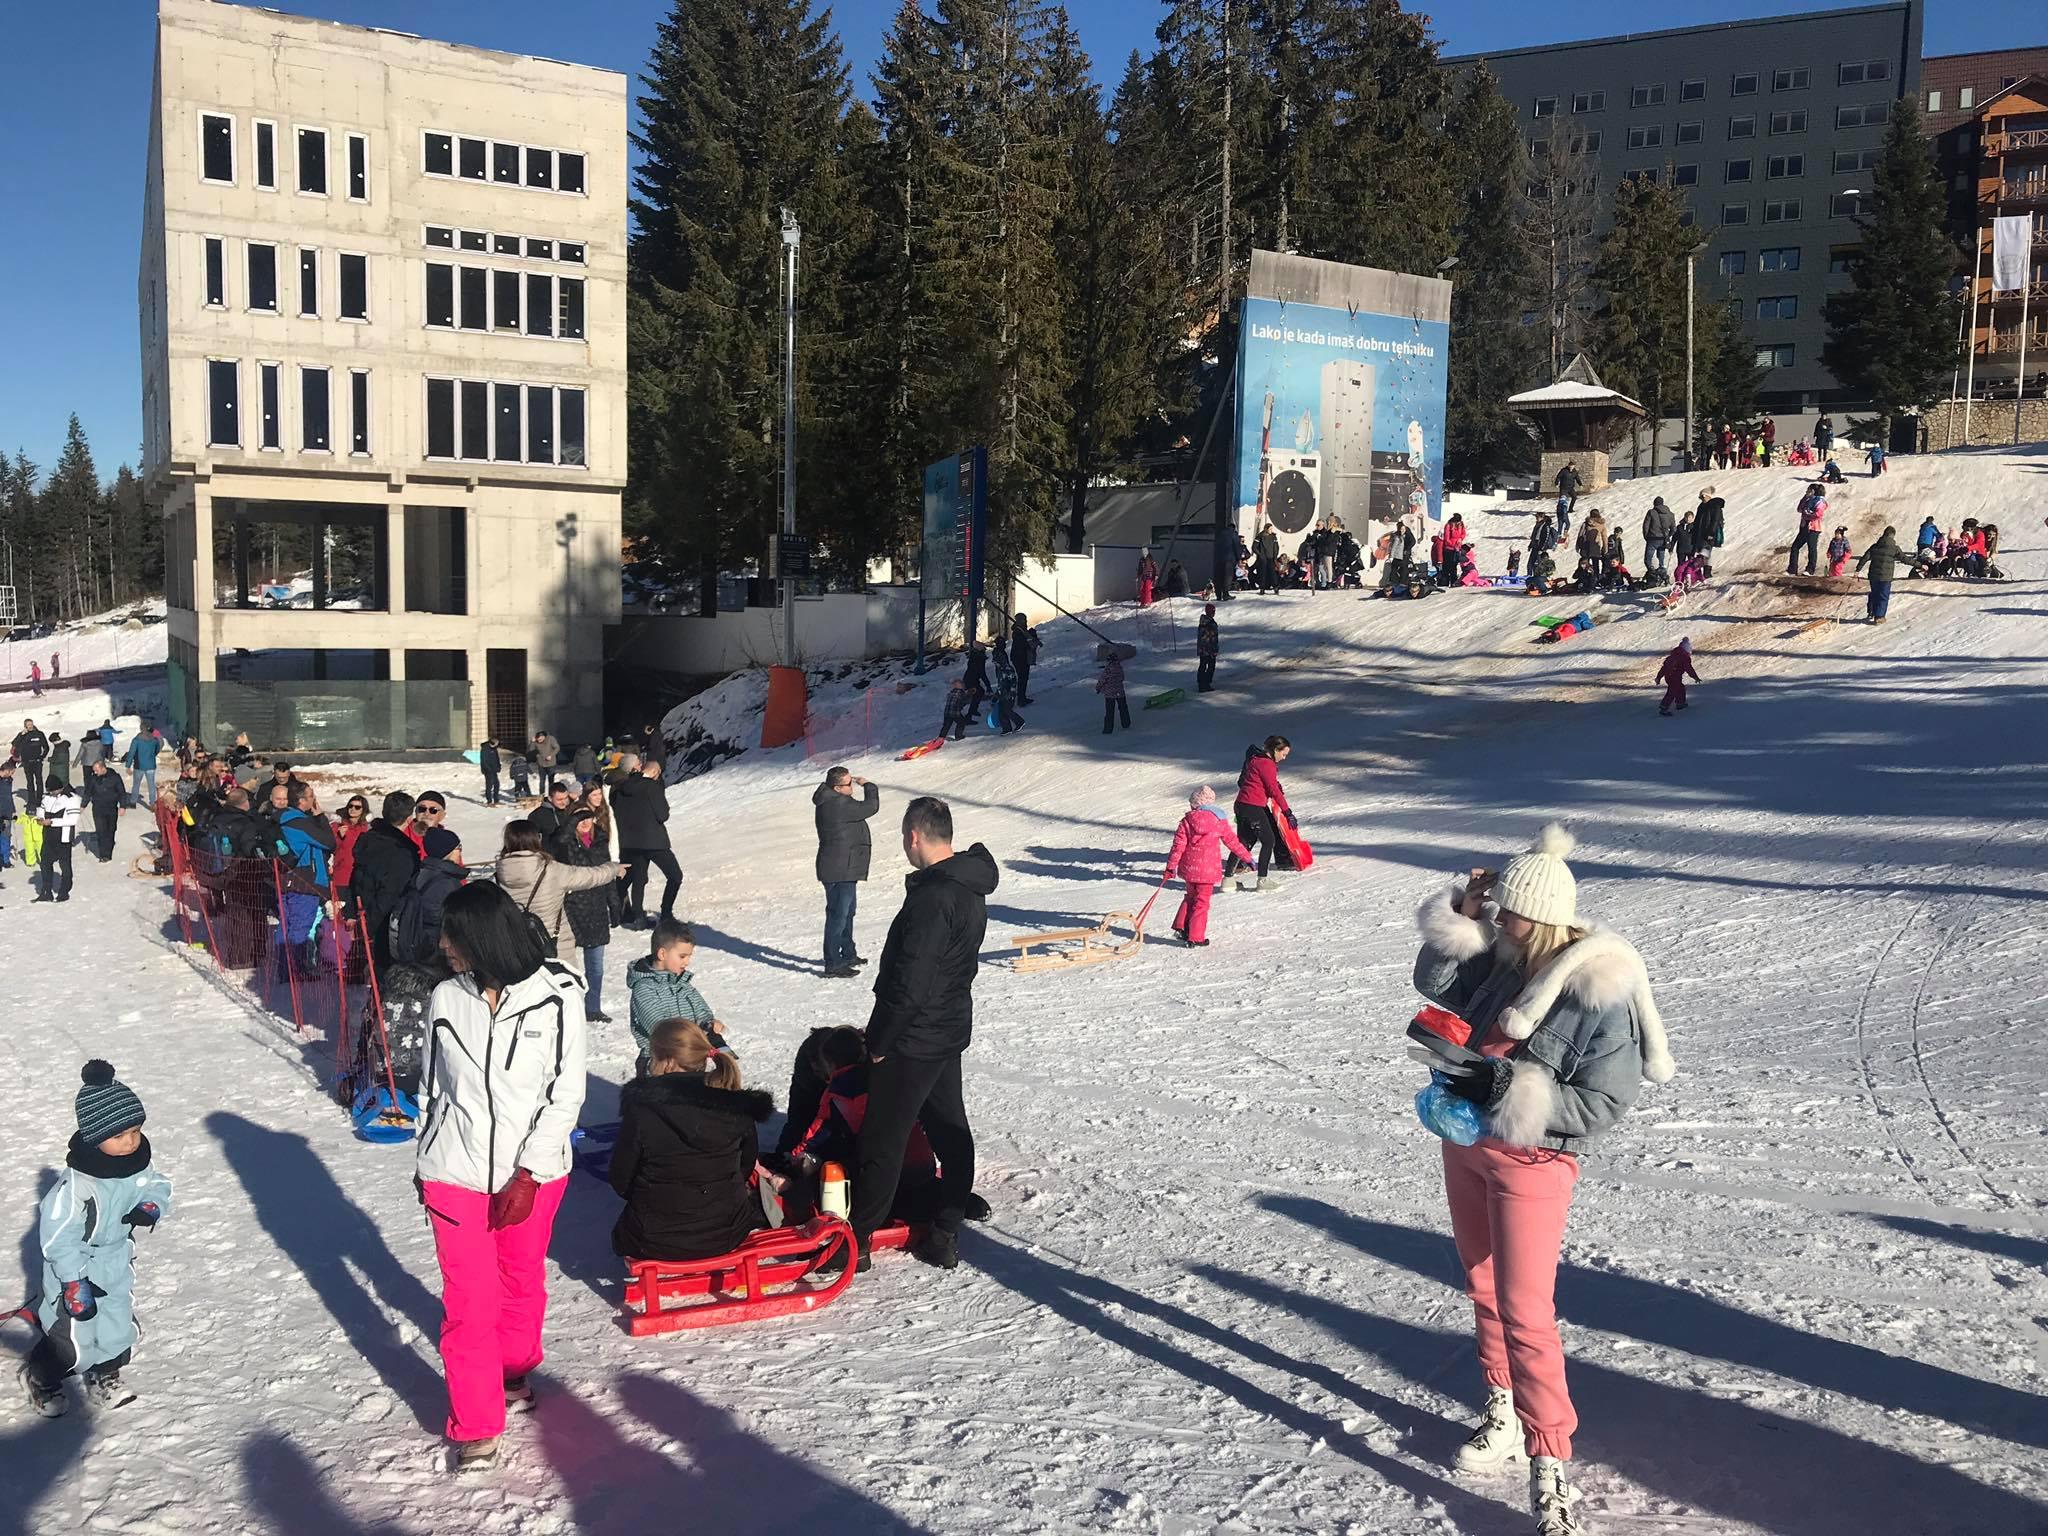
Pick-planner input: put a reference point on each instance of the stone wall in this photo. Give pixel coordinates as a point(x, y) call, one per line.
point(1592, 463)
point(1941, 426)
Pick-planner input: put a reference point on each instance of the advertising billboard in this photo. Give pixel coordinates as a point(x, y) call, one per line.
point(950, 564)
point(1340, 387)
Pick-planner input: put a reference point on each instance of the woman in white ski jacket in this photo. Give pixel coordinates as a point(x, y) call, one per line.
point(501, 1085)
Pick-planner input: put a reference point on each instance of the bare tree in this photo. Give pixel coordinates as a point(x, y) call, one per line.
point(1559, 217)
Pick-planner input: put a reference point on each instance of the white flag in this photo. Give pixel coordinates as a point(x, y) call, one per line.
point(2010, 237)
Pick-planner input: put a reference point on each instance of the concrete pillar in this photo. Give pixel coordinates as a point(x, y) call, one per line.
point(395, 670)
point(394, 554)
point(208, 642)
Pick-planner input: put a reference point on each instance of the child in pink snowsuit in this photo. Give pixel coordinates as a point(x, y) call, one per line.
point(1197, 858)
point(1676, 669)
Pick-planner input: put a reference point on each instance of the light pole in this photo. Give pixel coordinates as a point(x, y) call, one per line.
point(792, 237)
point(1690, 257)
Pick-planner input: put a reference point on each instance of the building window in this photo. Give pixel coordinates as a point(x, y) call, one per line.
point(358, 168)
point(438, 155)
point(1646, 178)
point(1848, 160)
point(569, 177)
point(440, 293)
point(1646, 96)
point(505, 301)
point(437, 235)
point(1780, 166)
point(266, 155)
point(570, 435)
point(1546, 106)
point(217, 148)
point(505, 245)
point(1781, 258)
point(1589, 101)
point(1735, 213)
point(541, 250)
point(540, 169)
point(1789, 122)
point(223, 403)
point(1790, 79)
point(268, 390)
point(263, 277)
point(1774, 357)
point(569, 291)
point(309, 282)
point(1734, 263)
point(1966, 98)
point(505, 164)
point(1784, 307)
point(1781, 210)
point(1742, 127)
point(505, 423)
point(1646, 136)
point(359, 412)
point(355, 286)
point(1742, 85)
point(313, 161)
point(1842, 262)
point(474, 240)
point(540, 424)
point(216, 272)
point(470, 157)
point(476, 420)
point(313, 422)
point(540, 309)
point(436, 561)
point(476, 299)
point(1934, 101)
point(566, 251)
point(1692, 90)
point(440, 421)
point(1860, 74)
point(1689, 133)
point(1685, 176)
point(1735, 170)
point(1869, 115)
point(1845, 205)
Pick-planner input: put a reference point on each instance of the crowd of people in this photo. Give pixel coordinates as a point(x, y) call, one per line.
point(1328, 557)
point(44, 803)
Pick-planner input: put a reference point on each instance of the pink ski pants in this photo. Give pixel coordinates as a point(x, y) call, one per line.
point(1508, 1209)
point(1193, 917)
point(494, 1296)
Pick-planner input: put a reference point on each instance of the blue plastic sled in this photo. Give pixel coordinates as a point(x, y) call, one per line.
point(380, 1117)
point(590, 1146)
point(473, 756)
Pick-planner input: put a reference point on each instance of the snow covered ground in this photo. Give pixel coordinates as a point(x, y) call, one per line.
point(1805, 1287)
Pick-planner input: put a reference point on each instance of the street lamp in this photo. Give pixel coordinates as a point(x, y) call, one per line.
point(1445, 265)
point(1690, 257)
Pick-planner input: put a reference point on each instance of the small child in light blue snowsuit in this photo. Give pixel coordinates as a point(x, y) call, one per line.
point(87, 1230)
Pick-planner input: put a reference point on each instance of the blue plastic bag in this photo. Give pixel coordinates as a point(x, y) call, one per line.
point(1456, 1120)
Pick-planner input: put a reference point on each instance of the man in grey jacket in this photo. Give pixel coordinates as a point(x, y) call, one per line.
point(843, 806)
point(1658, 527)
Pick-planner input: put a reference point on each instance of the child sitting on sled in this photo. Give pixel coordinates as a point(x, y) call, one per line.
point(688, 1143)
point(87, 1230)
point(1197, 858)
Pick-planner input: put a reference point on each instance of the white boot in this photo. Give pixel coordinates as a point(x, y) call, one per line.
point(1552, 1500)
point(1498, 1439)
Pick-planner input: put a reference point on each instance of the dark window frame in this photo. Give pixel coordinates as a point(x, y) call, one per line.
point(249, 272)
point(352, 297)
point(316, 384)
point(301, 133)
point(223, 407)
point(217, 132)
point(359, 413)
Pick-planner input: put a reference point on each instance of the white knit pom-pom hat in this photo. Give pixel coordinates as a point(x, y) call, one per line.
point(1538, 885)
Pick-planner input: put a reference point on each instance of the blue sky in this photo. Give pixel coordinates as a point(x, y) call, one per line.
point(73, 120)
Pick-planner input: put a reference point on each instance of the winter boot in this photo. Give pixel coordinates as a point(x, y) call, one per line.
point(50, 1402)
point(103, 1389)
point(1256, 886)
point(938, 1248)
point(518, 1395)
point(1552, 1500)
point(1498, 1439)
point(976, 1209)
point(476, 1456)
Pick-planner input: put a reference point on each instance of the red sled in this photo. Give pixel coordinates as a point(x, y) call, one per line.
point(1299, 854)
point(921, 749)
point(768, 1275)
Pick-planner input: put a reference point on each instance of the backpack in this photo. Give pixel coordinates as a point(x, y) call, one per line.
point(416, 920)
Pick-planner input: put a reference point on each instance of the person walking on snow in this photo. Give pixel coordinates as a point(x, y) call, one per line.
point(1813, 517)
point(843, 806)
point(1567, 1030)
point(1838, 551)
point(1111, 686)
point(1023, 655)
point(501, 1086)
point(1197, 858)
point(57, 812)
point(86, 1229)
point(1208, 645)
point(1260, 802)
point(1883, 560)
point(1148, 577)
point(140, 759)
point(489, 762)
point(1672, 674)
point(1876, 460)
point(1567, 482)
point(1658, 527)
point(35, 679)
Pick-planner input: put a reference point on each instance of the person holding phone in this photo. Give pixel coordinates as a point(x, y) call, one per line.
point(1566, 1030)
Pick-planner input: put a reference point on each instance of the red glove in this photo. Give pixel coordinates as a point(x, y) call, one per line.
point(81, 1299)
point(514, 1203)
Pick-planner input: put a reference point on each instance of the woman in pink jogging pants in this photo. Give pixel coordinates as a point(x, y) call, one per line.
point(1567, 1030)
point(501, 1084)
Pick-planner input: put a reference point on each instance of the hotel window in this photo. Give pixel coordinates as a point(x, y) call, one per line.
point(313, 161)
point(1845, 205)
point(354, 272)
point(443, 237)
point(505, 164)
point(476, 419)
point(1788, 122)
point(266, 155)
point(309, 282)
point(1736, 170)
point(1646, 136)
point(1860, 74)
point(1685, 176)
point(223, 403)
point(505, 423)
point(1742, 127)
point(438, 155)
point(1688, 133)
point(358, 412)
point(440, 418)
point(569, 178)
point(540, 168)
point(474, 240)
point(263, 277)
point(1781, 258)
point(1870, 114)
point(1646, 96)
point(1781, 210)
point(313, 422)
point(1734, 263)
point(470, 155)
point(505, 245)
point(1784, 307)
point(1692, 90)
point(1742, 85)
point(217, 148)
point(570, 290)
point(440, 293)
point(1780, 166)
point(216, 272)
point(1589, 101)
point(269, 390)
point(1790, 79)
point(505, 301)
point(1849, 160)
point(476, 315)
point(1735, 213)
point(1546, 106)
point(540, 309)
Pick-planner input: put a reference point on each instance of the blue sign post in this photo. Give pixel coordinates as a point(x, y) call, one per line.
point(951, 560)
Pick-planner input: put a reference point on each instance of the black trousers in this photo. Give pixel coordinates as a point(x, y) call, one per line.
point(103, 823)
point(903, 1090)
point(56, 858)
point(1024, 684)
point(1111, 709)
point(1807, 539)
point(635, 883)
point(32, 783)
point(1255, 826)
point(56, 1357)
point(1205, 674)
point(490, 789)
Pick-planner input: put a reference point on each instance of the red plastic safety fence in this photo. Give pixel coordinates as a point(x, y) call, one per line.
point(847, 733)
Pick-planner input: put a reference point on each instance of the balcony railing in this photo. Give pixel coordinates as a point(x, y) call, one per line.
point(2013, 139)
point(2001, 343)
point(2034, 294)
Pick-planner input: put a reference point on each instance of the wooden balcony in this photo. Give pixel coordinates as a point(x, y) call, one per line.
point(2007, 343)
point(2034, 295)
point(2015, 140)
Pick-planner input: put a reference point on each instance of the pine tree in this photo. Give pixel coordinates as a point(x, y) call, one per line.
point(65, 514)
point(1641, 273)
point(1891, 333)
point(1494, 353)
point(741, 119)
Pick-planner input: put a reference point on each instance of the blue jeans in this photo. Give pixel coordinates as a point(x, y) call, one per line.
point(142, 777)
point(840, 898)
point(593, 974)
point(1880, 598)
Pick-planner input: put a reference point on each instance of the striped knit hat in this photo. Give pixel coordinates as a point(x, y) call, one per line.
point(106, 1105)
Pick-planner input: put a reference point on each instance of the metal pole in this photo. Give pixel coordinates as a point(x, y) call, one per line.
point(1223, 285)
point(1688, 359)
point(2019, 391)
point(1970, 375)
point(792, 235)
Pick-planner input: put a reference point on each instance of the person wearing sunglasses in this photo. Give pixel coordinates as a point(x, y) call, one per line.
point(350, 825)
point(436, 838)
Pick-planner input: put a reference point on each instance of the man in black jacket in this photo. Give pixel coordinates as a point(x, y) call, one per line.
point(1708, 528)
point(922, 1021)
point(31, 747)
point(385, 859)
point(552, 814)
point(640, 812)
point(103, 793)
point(843, 806)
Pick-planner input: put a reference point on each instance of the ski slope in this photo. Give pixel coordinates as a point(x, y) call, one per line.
point(1805, 1288)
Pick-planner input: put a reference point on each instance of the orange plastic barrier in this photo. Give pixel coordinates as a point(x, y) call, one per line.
point(788, 699)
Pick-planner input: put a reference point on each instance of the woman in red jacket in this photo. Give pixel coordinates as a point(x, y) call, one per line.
point(1260, 799)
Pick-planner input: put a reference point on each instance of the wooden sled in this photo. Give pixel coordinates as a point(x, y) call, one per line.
point(768, 1275)
point(1083, 946)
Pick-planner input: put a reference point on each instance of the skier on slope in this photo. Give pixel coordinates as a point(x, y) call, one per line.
point(1566, 1029)
point(1672, 674)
